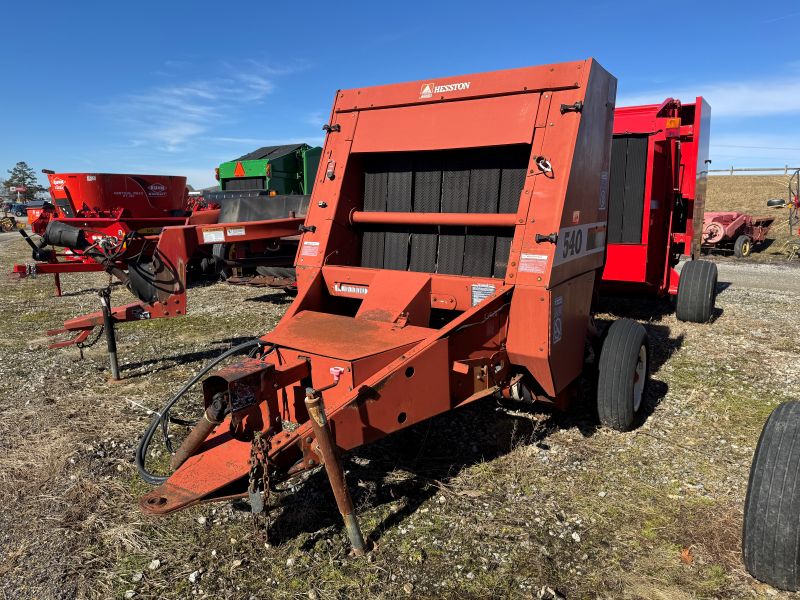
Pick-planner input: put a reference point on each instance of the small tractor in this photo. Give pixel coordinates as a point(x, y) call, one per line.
point(450, 253)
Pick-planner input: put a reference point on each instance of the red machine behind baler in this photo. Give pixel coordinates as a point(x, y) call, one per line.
point(656, 203)
point(450, 252)
point(105, 206)
point(154, 267)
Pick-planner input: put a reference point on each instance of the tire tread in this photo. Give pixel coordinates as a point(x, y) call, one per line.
point(771, 529)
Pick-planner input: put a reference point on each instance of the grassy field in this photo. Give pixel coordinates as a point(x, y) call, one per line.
point(494, 501)
point(749, 194)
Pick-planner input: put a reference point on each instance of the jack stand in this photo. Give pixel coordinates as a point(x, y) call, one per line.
point(111, 339)
point(333, 467)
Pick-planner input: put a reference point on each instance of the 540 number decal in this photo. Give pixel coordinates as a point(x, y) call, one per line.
point(579, 241)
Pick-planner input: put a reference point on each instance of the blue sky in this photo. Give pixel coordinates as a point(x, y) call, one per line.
point(177, 87)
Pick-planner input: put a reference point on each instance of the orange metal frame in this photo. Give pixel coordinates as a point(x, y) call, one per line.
point(368, 337)
point(174, 247)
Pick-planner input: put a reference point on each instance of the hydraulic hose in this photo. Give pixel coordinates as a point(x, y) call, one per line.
point(163, 419)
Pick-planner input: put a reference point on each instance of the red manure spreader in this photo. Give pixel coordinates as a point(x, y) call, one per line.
point(107, 207)
point(154, 267)
point(450, 252)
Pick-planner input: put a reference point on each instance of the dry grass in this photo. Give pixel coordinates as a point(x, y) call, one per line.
point(491, 501)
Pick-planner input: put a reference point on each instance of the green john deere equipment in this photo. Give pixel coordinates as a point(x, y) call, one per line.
point(255, 187)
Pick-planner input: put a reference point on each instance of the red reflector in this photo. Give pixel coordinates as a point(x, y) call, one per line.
point(239, 170)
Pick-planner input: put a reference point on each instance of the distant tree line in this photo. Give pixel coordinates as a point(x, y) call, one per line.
point(21, 175)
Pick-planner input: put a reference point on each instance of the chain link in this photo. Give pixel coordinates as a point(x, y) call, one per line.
point(258, 482)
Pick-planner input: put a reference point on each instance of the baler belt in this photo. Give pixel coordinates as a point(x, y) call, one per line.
point(427, 193)
point(399, 190)
point(626, 189)
point(374, 199)
point(455, 199)
point(511, 184)
point(455, 181)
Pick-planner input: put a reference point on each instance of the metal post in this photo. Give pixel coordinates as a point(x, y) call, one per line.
point(319, 423)
point(57, 279)
point(111, 339)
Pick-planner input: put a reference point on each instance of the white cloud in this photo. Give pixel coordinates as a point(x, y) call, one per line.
point(746, 98)
point(171, 116)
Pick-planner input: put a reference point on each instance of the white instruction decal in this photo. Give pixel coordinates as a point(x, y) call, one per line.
point(233, 231)
point(579, 241)
point(558, 319)
point(213, 236)
point(533, 263)
point(481, 291)
point(310, 249)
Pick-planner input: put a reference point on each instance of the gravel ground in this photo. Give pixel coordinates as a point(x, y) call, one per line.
point(495, 500)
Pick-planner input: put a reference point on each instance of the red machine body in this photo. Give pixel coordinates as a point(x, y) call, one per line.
point(656, 194)
point(155, 266)
point(118, 195)
point(450, 250)
point(105, 205)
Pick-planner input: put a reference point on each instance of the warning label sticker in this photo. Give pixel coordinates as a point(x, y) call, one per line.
point(481, 291)
point(558, 319)
point(533, 263)
point(234, 231)
point(213, 236)
point(310, 249)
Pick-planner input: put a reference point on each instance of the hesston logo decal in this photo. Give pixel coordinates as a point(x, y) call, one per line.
point(429, 89)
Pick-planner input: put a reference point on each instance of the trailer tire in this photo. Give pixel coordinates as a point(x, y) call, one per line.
point(742, 246)
point(219, 254)
point(697, 291)
point(776, 202)
point(771, 529)
point(622, 375)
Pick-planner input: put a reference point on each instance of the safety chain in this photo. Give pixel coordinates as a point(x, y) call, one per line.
point(258, 482)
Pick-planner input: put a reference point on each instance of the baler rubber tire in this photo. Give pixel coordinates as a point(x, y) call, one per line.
point(776, 202)
point(617, 374)
point(697, 291)
point(771, 528)
point(742, 247)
